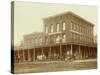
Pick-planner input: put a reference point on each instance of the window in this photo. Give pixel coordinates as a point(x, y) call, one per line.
point(71, 35)
point(51, 28)
point(25, 44)
point(57, 27)
point(51, 39)
point(36, 41)
point(58, 39)
point(28, 43)
point(40, 40)
point(90, 30)
point(64, 38)
point(74, 26)
point(71, 25)
point(32, 42)
point(46, 29)
point(77, 27)
point(80, 37)
point(75, 36)
point(85, 30)
point(80, 28)
point(64, 25)
point(46, 40)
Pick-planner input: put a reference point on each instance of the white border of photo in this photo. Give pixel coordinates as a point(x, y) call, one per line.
point(5, 37)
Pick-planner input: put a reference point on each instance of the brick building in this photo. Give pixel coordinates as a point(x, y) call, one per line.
point(67, 28)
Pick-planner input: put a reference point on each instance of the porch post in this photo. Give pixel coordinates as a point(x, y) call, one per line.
point(71, 52)
point(18, 56)
point(80, 55)
point(23, 56)
point(42, 51)
point(34, 54)
point(28, 55)
point(50, 53)
point(60, 51)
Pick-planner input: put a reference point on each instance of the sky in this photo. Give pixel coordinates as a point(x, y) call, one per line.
point(28, 16)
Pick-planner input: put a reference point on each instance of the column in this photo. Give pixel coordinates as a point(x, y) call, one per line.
point(28, 55)
point(50, 52)
point(71, 52)
point(80, 55)
point(84, 53)
point(42, 51)
point(60, 51)
point(94, 52)
point(34, 54)
point(18, 57)
point(23, 56)
point(88, 52)
point(15, 56)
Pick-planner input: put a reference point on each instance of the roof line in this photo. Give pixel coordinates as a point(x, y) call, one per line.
point(69, 12)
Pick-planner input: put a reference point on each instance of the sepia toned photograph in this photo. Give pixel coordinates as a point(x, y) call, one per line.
point(51, 37)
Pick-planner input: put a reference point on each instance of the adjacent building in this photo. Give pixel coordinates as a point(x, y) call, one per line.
point(34, 40)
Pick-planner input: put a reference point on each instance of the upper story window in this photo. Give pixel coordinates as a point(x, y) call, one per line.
point(77, 27)
point(28, 43)
point(46, 29)
point(58, 39)
point(91, 30)
point(46, 40)
point(80, 29)
point(40, 40)
point(25, 44)
point(58, 28)
point(36, 41)
point(64, 25)
point(71, 34)
point(74, 26)
point(64, 38)
point(71, 25)
point(51, 28)
point(32, 42)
